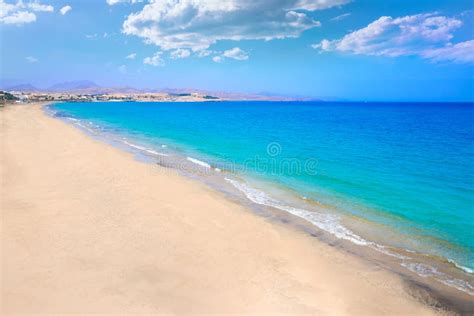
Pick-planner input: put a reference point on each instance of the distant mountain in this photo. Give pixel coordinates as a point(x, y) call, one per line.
point(22, 87)
point(87, 87)
point(74, 86)
point(123, 90)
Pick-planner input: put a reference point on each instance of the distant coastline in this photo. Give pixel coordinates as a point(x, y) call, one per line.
point(87, 91)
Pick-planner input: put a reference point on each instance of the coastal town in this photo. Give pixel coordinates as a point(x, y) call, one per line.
point(29, 97)
point(89, 91)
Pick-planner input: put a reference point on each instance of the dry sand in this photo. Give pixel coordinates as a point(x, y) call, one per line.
point(87, 229)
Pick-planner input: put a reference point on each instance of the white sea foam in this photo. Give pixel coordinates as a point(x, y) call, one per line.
point(426, 271)
point(422, 270)
point(134, 145)
point(153, 152)
point(327, 222)
point(465, 269)
point(331, 224)
point(91, 124)
point(78, 123)
point(199, 162)
point(73, 120)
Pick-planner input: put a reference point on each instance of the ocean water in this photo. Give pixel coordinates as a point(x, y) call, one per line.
point(405, 169)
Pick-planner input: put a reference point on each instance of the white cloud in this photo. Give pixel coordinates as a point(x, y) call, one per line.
point(180, 53)
point(131, 56)
point(341, 17)
point(312, 5)
point(21, 13)
point(114, 2)
point(423, 35)
point(217, 59)
point(18, 18)
point(38, 7)
point(154, 60)
point(204, 53)
point(459, 53)
point(466, 12)
point(65, 9)
point(91, 36)
point(31, 59)
point(236, 53)
point(197, 24)
point(324, 45)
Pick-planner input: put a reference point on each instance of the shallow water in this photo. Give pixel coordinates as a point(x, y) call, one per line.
point(401, 174)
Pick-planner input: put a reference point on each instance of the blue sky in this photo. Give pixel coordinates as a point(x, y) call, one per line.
point(355, 50)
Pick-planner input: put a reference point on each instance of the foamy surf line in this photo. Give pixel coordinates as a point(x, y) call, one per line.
point(425, 271)
point(141, 148)
point(96, 129)
point(199, 162)
point(327, 222)
point(202, 163)
point(465, 269)
point(331, 223)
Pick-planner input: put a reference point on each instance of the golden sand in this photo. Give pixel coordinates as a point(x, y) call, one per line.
point(88, 229)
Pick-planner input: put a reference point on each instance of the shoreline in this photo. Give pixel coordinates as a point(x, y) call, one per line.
point(437, 273)
point(348, 287)
point(432, 277)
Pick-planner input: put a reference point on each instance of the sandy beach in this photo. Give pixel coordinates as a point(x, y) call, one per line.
point(88, 229)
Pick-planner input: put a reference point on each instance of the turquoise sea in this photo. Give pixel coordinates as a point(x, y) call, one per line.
point(405, 169)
